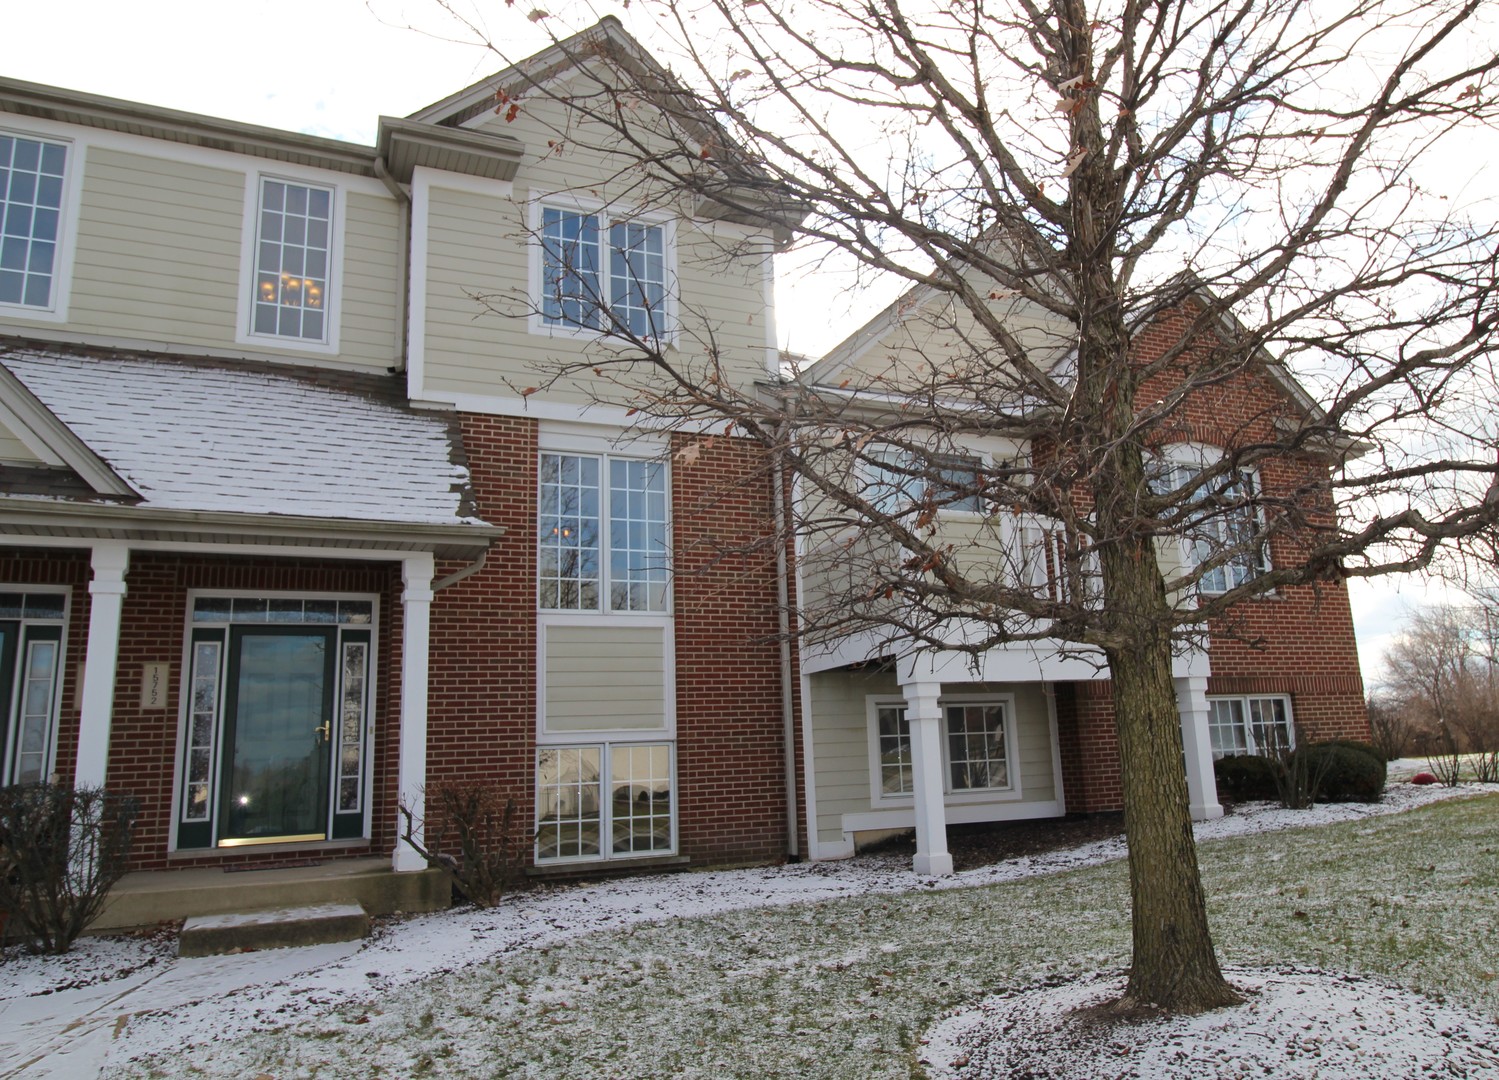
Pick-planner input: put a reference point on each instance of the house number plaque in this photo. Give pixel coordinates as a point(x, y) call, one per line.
point(154, 686)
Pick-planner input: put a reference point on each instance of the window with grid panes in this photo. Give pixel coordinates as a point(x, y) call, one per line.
point(602, 275)
point(294, 232)
point(32, 174)
point(602, 534)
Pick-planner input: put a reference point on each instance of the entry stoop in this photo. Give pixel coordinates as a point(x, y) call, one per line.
point(278, 928)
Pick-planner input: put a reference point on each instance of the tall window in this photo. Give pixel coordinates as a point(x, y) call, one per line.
point(1249, 725)
point(293, 245)
point(586, 502)
point(1212, 532)
point(601, 275)
point(31, 192)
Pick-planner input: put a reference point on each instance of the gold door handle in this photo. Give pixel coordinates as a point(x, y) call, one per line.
point(323, 729)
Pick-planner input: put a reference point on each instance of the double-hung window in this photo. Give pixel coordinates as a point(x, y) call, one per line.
point(32, 176)
point(894, 482)
point(977, 749)
point(1249, 725)
point(293, 256)
point(1233, 528)
point(604, 275)
point(602, 534)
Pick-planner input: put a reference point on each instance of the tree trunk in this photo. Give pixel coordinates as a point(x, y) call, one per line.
point(1174, 965)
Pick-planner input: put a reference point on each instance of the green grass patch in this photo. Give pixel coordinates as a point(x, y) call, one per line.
point(845, 989)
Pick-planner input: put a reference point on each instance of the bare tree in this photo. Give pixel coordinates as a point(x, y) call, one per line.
point(1443, 670)
point(1109, 219)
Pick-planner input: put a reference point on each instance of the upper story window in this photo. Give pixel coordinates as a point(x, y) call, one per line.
point(32, 174)
point(602, 536)
point(294, 228)
point(1233, 529)
point(602, 275)
point(894, 482)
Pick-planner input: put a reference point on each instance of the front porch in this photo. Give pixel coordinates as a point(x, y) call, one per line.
point(149, 897)
point(930, 739)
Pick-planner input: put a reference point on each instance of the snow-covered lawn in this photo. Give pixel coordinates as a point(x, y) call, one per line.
point(691, 975)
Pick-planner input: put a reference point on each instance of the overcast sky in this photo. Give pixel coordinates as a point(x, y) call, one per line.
point(332, 67)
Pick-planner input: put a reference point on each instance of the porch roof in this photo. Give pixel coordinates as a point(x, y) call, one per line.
point(249, 440)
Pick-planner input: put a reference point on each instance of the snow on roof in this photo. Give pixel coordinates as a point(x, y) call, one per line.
point(255, 438)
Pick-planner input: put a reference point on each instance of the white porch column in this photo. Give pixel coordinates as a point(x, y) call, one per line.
point(1202, 788)
point(111, 558)
point(416, 609)
point(925, 719)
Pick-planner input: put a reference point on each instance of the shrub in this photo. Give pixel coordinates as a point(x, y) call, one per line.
point(470, 833)
point(1245, 777)
point(61, 851)
point(1347, 772)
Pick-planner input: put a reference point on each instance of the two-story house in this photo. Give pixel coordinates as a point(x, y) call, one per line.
point(903, 733)
point(296, 518)
point(310, 498)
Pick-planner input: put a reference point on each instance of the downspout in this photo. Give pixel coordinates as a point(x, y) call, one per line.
point(458, 575)
point(783, 615)
point(403, 272)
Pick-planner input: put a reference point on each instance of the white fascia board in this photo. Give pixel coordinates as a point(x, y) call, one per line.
point(23, 520)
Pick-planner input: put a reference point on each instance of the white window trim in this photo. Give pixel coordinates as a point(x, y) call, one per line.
point(1198, 456)
point(603, 611)
point(249, 247)
point(1245, 699)
point(606, 814)
point(608, 216)
point(67, 230)
point(1013, 792)
point(7, 755)
point(184, 703)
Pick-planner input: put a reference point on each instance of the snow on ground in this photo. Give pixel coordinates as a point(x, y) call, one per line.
point(1294, 1024)
point(113, 1000)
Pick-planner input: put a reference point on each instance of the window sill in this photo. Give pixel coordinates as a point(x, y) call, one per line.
point(599, 866)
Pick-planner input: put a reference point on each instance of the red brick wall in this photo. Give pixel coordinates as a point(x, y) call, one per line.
point(730, 759)
point(482, 711)
point(1091, 780)
point(482, 703)
point(1298, 641)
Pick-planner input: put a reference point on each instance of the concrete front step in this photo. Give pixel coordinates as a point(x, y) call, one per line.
point(278, 928)
point(149, 897)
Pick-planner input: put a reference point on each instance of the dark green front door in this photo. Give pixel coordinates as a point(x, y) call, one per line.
point(278, 723)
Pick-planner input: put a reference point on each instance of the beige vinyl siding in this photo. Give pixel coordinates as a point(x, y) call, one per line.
point(841, 747)
point(480, 244)
point(157, 255)
point(603, 678)
point(373, 288)
point(157, 260)
point(14, 450)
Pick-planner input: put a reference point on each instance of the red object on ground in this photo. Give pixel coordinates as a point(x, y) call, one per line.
point(1423, 778)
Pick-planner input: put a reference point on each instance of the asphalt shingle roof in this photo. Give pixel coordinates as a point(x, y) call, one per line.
point(256, 438)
